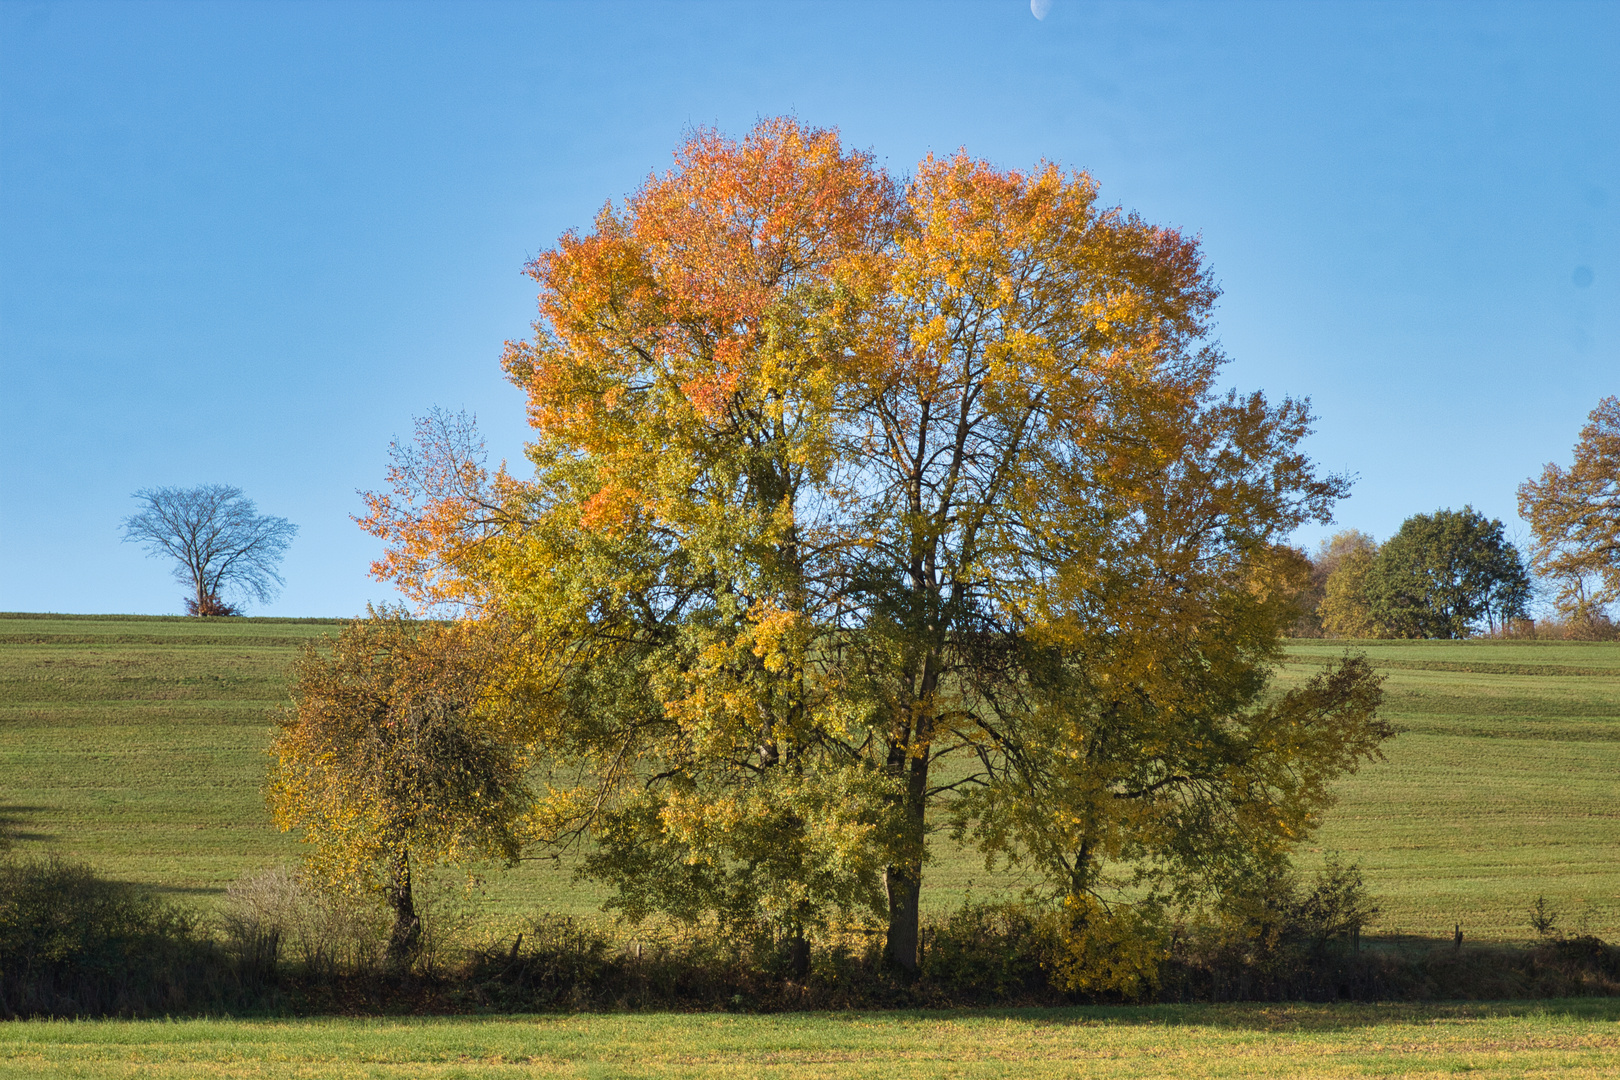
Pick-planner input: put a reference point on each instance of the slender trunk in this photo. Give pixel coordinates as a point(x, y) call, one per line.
point(406, 937)
point(1080, 873)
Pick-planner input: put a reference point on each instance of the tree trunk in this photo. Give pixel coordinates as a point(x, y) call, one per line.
point(798, 953)
point(406, 937)
point(199, 581)
point(904, 881)
point(905, 889)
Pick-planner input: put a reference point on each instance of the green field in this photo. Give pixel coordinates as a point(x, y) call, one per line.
point(1545, 1039)
point(138, 745)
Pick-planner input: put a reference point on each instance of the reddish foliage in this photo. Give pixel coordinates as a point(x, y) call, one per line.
point(210, 606)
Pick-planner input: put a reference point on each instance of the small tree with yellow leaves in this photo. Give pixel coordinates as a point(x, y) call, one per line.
point(389, 760)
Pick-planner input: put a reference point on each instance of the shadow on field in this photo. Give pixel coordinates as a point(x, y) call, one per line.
point(14, 822)
point(75, 943)
point(179, 890)
point(1299, 1016)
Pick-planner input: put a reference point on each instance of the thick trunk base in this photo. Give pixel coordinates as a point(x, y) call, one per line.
point(905, 890)
point(798, 957)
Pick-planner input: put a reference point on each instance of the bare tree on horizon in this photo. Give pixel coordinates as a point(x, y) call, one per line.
point(218, 539)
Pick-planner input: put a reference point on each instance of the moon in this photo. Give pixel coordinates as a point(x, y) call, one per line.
point(1039, 8)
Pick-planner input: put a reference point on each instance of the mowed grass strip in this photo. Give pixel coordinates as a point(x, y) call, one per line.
point(145, 759)
point(138, 745)
point(1562, 1039)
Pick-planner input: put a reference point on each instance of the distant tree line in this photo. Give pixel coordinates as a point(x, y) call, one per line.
point(1447, 574)
point(1453, 573)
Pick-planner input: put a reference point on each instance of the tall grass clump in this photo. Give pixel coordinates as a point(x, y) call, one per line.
point(276, 919)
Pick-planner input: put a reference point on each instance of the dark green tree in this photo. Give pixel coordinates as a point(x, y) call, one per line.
point(1444, 573)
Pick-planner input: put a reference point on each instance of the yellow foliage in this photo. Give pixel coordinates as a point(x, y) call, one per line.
point(1115, 950)
point(390, 754)
point(1346, 610)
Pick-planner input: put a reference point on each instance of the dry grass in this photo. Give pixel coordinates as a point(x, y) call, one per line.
point(1562, 1039)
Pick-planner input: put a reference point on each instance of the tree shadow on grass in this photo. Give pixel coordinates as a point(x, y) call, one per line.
point(179, 890)
point(15, 820)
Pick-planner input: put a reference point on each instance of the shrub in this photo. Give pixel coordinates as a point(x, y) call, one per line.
point(210, 606)
point(1271, 938)
point(1112, 953)
point(985, 953)
point(73, 943)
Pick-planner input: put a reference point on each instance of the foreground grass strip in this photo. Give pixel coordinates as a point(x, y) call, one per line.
point(1557, 1038)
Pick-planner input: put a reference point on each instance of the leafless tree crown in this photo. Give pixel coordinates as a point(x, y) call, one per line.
point(219, 541)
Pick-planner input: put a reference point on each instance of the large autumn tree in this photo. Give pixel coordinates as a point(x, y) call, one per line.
point(860, 506)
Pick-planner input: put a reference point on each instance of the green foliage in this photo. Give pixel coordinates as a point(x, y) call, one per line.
point(1442, 573)
point(789, 848)
point(1187, 791)
point(1000, 951)
point(1271, 936)
point(1543, 919)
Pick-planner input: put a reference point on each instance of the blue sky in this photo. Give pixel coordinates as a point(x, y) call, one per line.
point(249, 242)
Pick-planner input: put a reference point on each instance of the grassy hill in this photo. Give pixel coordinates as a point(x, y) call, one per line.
point(138, 744)
point(1503, 785)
